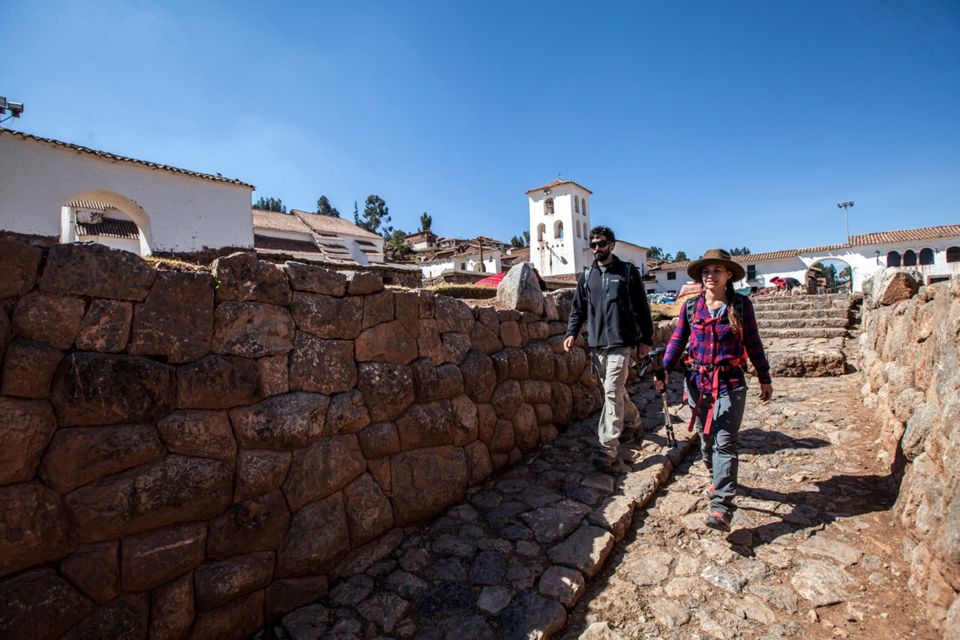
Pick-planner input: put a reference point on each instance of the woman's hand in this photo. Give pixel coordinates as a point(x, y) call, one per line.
point(661, 385)
point(766, 392)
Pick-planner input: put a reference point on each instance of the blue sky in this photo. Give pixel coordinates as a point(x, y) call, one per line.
point(696, 124)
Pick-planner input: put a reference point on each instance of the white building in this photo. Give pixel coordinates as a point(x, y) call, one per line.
point(930, 253)
point(58, 189)
point(465, 256)
point(308, 235)
point(559, 225)
point(421, 241)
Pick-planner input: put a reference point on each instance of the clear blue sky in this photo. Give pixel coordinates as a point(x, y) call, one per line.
point(696, 124)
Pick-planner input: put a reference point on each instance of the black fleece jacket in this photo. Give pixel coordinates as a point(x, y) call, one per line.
point(613, 303)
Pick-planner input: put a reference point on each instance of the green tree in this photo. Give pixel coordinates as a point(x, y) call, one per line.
point(668, 257)
point(395, 248)
point(742, 251)
point(681, 256)
point(270, 204)
point(521, 241)
point(325, 209)
point(426, 221)
point(655, 252)
point(375, 217)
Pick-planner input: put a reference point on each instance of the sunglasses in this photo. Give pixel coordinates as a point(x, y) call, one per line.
point(600, 244)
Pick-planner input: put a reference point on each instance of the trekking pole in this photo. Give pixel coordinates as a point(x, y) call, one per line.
point(661, 375)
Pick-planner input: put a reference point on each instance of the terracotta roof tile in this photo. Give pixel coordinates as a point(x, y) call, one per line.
point(330, 224)
point(278, 221)
point(558, 182)
point(113, 156)
point(906, 235)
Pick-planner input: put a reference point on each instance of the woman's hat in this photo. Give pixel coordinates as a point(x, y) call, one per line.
point(715, 255)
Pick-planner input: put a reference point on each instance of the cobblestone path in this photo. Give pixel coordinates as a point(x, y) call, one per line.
point(554, 548)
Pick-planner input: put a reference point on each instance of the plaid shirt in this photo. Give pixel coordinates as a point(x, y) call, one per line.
point(727, 349)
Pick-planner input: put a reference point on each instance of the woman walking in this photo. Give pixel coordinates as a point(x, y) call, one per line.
point(721, 329)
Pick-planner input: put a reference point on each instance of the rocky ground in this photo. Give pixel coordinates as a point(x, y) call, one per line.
point(552, 547)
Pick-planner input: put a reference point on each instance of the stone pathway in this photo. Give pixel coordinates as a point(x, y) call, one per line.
point(814, 552)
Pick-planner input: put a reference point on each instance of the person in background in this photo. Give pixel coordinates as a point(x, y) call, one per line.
point(721, 329)
point(611, 300)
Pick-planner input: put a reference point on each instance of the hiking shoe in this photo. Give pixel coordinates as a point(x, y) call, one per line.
point(710, 491)
point(718, 521)
point(610, 465)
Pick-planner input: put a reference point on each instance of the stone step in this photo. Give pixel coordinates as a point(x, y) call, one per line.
point(790, 314)
point(816, 332)
point(790, 363)
point(803, 323)
point(788, 305)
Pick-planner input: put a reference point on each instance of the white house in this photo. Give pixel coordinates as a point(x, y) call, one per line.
point(421, 241)
point(930, 253)
point(559, 225)
point(466, 255)
point(308, 235)
point(58, 189)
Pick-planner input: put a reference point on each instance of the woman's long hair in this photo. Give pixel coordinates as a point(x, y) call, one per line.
point(733, 315)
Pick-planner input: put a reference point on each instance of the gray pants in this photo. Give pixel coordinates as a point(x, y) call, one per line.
point(613, 365)
point(719, 449)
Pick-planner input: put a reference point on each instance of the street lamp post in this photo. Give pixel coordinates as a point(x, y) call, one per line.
point(846, 221)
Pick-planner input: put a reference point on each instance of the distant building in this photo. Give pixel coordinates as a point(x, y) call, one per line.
point(421, 241)
point(482, 255)
point(74, 193)
point(308, 235)
point(929, 253)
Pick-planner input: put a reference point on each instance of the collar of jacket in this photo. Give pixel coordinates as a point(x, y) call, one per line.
point(613, 262)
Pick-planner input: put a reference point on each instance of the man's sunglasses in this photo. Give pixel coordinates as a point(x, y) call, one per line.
point(600, 244)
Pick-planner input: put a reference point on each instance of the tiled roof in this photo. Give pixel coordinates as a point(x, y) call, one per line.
point(118, 158)
point(109, 227)
point(278, 221)
point(268, 243)
point(330, 224)
point(95, 205)
point(557, 183)
point(905, 235)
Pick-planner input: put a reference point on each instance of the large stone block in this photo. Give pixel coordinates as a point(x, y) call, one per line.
point(81, 455)
point(427, 425)
point(96, 271)
point(281, 423)
point(377, 309)
point(318, 535)
point(478, 462)
point(425, 481)
point(274, 374)
point(219, 382)
point(510, 333)
point(124, 617)
point(40, 605)
point(466, 422)
point(453, 315)
point(18, 263)
point(347, 414)
point(326, 466)
point(407, 305)
point(485, 339)
point(506, 398)
point(518, 366)
point(155, 557)
point(328, 317)
point(456, 346)
point(314, 279)
point(26, 427)
point(28, 369)
point(198, 433)
point(429, 344)
point(379, 440)
point(252, 329)
point(95, 570)
point(368, 510)
point(243, 278)
point(260, 472)
point(238, 620)
point(176, 319)
point(175, 489)
point(535, 391)
point(520, 290)
point(34, 527)
point(172, 609)
point(217, 583)
point(540, 358)
point(326, 366)
point(479, 377)
point(283, 596)
point(50, 319)
point(526, 427)
point(360, 283)
point(98, 389)
point(387, 389)
point(105, 327)
point(561, 399)
point(252, 525)
point(388, 342)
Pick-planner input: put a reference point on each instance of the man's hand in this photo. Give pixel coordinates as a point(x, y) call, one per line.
point(568, 343)
point(661, 385)
point(766, 392)
point(643, 349)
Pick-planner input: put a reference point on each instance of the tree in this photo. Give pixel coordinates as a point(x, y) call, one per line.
point(742, 251)
point(521, 241)
point(426, 221)
point(324, 208)
point(668, 257)
point(395, 248)
point(375, 217)
point(681, 256)
point(270, 204)
point(655, 252)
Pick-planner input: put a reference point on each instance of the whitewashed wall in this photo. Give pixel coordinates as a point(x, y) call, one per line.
point(570, 253)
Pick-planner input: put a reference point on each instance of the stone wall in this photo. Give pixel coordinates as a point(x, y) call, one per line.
point(910, 364)
point(194, 454)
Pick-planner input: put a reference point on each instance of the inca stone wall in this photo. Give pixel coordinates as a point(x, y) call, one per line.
point(910, 363)
point(195, 454)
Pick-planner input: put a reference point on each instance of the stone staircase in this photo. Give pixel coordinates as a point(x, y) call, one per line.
point(808, 336)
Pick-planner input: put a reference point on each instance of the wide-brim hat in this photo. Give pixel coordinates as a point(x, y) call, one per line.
point(715, 255)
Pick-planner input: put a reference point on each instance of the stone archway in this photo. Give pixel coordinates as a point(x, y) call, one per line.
point(73, 231)
point(829, 275)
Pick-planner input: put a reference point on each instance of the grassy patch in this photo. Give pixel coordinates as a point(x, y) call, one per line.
point(470, 291)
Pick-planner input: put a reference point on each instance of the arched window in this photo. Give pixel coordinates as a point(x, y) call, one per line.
point(953, 254)
point(584, 208)
point(926, 255)
point(893, 259)
point(909, 258)
point(541, 229)
point(576, 203)
point(548, 206)
point(558, 229)
point(576, 223)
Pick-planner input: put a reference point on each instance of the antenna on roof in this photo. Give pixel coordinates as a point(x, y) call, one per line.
point(846, 221)
point(15, 109)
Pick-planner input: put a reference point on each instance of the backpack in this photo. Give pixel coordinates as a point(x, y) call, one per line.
point(690, 308)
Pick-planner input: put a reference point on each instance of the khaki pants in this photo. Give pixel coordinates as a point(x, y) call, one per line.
point(613, 365)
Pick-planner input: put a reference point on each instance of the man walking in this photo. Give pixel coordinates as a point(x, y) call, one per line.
point(611, 299)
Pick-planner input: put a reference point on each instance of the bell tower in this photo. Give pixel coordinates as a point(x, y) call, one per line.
point(559, 227)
